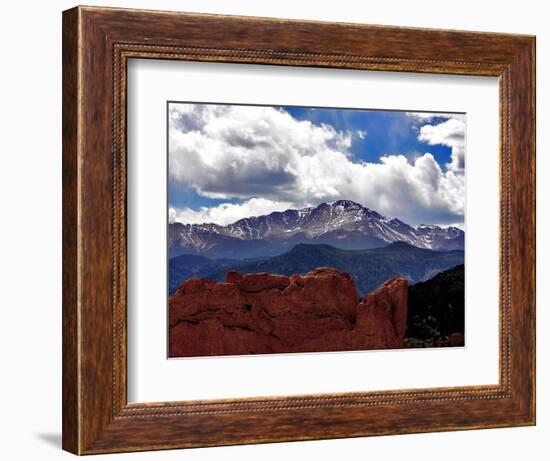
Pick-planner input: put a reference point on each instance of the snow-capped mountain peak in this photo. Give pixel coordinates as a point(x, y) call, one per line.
point(343, 223)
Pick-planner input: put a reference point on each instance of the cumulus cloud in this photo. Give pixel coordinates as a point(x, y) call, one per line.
point(227, 213)
point(449, 133)
point(268, 159)
point(244, 151)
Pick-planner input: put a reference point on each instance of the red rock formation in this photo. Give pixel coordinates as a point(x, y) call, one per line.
point(456, 340)
point(263, 313)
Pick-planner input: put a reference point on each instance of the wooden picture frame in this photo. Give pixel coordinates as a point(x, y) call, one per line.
point(97, 43)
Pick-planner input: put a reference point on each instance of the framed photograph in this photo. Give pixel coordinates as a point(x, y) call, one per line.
point(282, 230)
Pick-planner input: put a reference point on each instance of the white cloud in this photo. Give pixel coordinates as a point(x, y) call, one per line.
point(249, 152)
point(227, 213)
point(450, 133)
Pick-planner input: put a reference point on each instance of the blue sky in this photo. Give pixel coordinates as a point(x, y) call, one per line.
point(387, 132)
point(229, 161)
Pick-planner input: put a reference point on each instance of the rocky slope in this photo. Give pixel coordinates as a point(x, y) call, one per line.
point(343, 224)
point(262, 313)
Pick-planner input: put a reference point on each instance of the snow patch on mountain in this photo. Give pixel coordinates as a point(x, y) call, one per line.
point(344, 223)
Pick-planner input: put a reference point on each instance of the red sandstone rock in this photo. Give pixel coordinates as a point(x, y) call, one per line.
point(255, 283)
point(456, 340)
point(263, 313)
point(384, 313)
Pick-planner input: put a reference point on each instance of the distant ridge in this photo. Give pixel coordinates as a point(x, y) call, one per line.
point(369, 268)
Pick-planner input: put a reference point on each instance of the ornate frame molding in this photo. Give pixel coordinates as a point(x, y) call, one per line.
point(97, 44)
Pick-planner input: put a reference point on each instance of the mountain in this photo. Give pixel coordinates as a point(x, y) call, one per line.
point(343, 224)
point(183, 267)
point(368, 268)
point(436, 310)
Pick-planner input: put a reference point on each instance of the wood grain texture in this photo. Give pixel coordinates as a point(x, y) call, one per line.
point(70, 383)
point(97, 43)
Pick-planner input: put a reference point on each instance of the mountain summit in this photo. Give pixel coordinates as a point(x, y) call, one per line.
point(344, 224)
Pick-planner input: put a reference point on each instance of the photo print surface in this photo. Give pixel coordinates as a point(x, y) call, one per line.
point(308, 229)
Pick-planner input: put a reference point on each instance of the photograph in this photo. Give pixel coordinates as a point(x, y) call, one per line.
point(297, 229)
